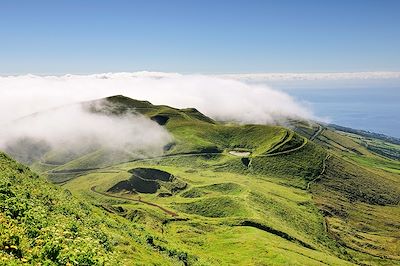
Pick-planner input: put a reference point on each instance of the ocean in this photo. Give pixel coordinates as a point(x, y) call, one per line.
point(372, 109)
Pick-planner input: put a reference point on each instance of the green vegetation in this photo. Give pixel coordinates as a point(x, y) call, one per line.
point(306, 197)
point(362, 210)
point(44, 224)
point(148, 180)
point(214, 207)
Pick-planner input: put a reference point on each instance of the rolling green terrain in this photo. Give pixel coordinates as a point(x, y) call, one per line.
point(221, 194)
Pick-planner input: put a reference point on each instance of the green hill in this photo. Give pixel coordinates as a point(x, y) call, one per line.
point(43, 224)
point(193, 132)
point(221, 194)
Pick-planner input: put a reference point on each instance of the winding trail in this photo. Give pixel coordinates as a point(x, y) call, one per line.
point(169, 212)
point(176, 155)
point(319, 131)
point(322, 172)
point(305, 141)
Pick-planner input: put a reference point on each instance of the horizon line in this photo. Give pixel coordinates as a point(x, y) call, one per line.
point(259, 76)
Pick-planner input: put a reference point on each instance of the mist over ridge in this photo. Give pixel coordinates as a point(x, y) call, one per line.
point(73, 127)
point(219, 98)
point(74, 130)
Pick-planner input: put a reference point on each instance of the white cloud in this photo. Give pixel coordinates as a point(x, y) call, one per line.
point(72, 124)
point(265, 77)
point(71, 128)
point(220, 98)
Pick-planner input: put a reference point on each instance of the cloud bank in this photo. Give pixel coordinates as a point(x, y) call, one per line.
point(219, 98)
point(53, 127)
point(243, 98)
point(74, 131)
point(73, 125)
point(264, 77)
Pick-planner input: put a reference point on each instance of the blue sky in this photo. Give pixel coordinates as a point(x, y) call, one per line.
point(87, 36)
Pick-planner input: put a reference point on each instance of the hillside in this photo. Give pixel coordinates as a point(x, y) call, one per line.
point(221, 193)
point(192, 131)
point(44, 224)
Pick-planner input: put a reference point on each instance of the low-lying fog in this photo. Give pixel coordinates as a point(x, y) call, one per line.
point(221, 99)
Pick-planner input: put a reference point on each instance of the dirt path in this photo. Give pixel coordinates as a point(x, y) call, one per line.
point(173, 214)
point(285, 152)
point(321, 174)
point(320, 129)
point(187, 155)
point(49, 164)
point(177, 155)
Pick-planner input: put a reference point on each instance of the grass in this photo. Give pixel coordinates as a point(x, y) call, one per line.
point(45, 224)
point(225, 188)
point(226, 245)
point(219, 188)
point(361, 209)
point(192, 131)
point(216, 204)
point(229, 212)
point(388, 165)
point(222, 206)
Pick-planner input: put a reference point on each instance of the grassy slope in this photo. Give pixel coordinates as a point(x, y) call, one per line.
point(362, 210)
point(210, 230)
point(41, 223)
point(294, 170)
point(261, 211)
point(359, 195)
point(193, 133)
